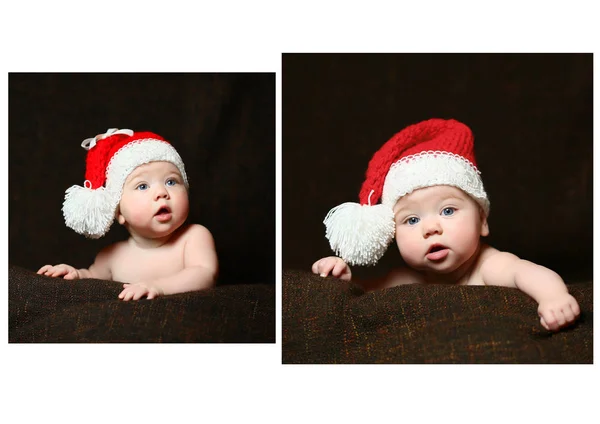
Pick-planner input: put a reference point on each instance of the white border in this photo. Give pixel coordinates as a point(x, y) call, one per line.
point(233, 382)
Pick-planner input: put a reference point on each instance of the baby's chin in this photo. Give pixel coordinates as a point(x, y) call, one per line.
point(445, 267)
point(154, 233)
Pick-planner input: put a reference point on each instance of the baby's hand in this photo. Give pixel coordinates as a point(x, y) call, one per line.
point(334, 265)
point(67, 271)
point(558, 312)
point(137, 291)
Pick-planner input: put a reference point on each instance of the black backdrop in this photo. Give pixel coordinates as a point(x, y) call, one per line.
point(223, 126)
point(531, 115)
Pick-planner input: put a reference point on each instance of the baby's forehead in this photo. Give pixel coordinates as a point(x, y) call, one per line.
point(154, 167)
point(429, 194)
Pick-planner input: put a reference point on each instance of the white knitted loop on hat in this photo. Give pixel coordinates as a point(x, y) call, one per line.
point(88, 143)
point(432, 168)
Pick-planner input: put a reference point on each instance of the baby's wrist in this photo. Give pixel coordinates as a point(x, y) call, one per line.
point(83, 273)
point(554, 297)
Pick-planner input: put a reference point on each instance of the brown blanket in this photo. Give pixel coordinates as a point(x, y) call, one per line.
point(325, 320)
point(44, 309)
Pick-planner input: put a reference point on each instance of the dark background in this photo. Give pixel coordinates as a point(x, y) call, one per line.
point(531, 115)
point(222, 125)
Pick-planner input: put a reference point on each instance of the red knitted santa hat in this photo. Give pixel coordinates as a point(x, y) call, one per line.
point(430, 153)
point(111, 157)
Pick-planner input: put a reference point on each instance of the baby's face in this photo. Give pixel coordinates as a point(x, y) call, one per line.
point(154, 202)
point(438, 228)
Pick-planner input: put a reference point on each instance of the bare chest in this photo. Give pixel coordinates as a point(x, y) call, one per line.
point(409, 276)
point(132, 265)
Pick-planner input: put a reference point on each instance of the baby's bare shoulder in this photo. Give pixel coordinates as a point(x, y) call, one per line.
point(195, 229)
point(112, 250)
point(494, 258)
point(199, 247)
point(196, 233)
point(494, 266)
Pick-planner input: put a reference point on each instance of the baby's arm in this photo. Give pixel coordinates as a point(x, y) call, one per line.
point(200, 269)
point(100, 269)
point(557, 308)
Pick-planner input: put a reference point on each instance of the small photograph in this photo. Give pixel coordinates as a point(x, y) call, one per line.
point(141, 207)
point(437, 208)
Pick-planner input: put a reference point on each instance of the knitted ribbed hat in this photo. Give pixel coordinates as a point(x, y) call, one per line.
point(90, 210)
point(430, 153)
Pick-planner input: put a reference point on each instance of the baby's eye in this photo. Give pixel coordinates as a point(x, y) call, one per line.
point(171, 182)
point(412, 220)
point(142, 187)
point(448, 211)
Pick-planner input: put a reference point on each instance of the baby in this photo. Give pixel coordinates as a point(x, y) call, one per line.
point(139, 179)
point(434, 204)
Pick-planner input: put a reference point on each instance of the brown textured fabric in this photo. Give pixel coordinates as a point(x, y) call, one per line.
point(44, 309)
point(329, 321)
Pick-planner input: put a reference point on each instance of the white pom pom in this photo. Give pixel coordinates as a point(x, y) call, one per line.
point(360, 234)
point(88, 212)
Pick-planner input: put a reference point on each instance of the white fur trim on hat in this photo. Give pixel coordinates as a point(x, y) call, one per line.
point(92, 212)
point(428, 169)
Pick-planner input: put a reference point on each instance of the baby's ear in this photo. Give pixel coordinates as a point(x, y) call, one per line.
point(120, 218)
point(485, 229)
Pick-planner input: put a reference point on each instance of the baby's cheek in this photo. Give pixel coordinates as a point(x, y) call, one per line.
point(136, 213)
point(408, 248)
point(184, 205)
point(468, 240)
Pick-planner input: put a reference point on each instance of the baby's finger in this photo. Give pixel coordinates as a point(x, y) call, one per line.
point(325, 267)
point(131, 294)
point(575, 307)
point(560, 318)
point(550, 320)
point(315, 266)
point(58, 273)
point(44, 269)
point(338, 269)
point(568, 314)
point(138, 295)
point(49, 271)
point(71, 275)
point(543, 322)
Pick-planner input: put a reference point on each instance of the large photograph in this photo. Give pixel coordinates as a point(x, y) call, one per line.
point(142, 207)
point(437, 208)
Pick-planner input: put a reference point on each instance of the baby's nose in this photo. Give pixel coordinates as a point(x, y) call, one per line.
point(431, 227)
point(161, 193)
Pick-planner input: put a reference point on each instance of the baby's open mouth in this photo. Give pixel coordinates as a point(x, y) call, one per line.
point(436, 248)
point(437, 252)
point(163, 211)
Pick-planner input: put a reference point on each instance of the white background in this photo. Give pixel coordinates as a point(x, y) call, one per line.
point(247, 383)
